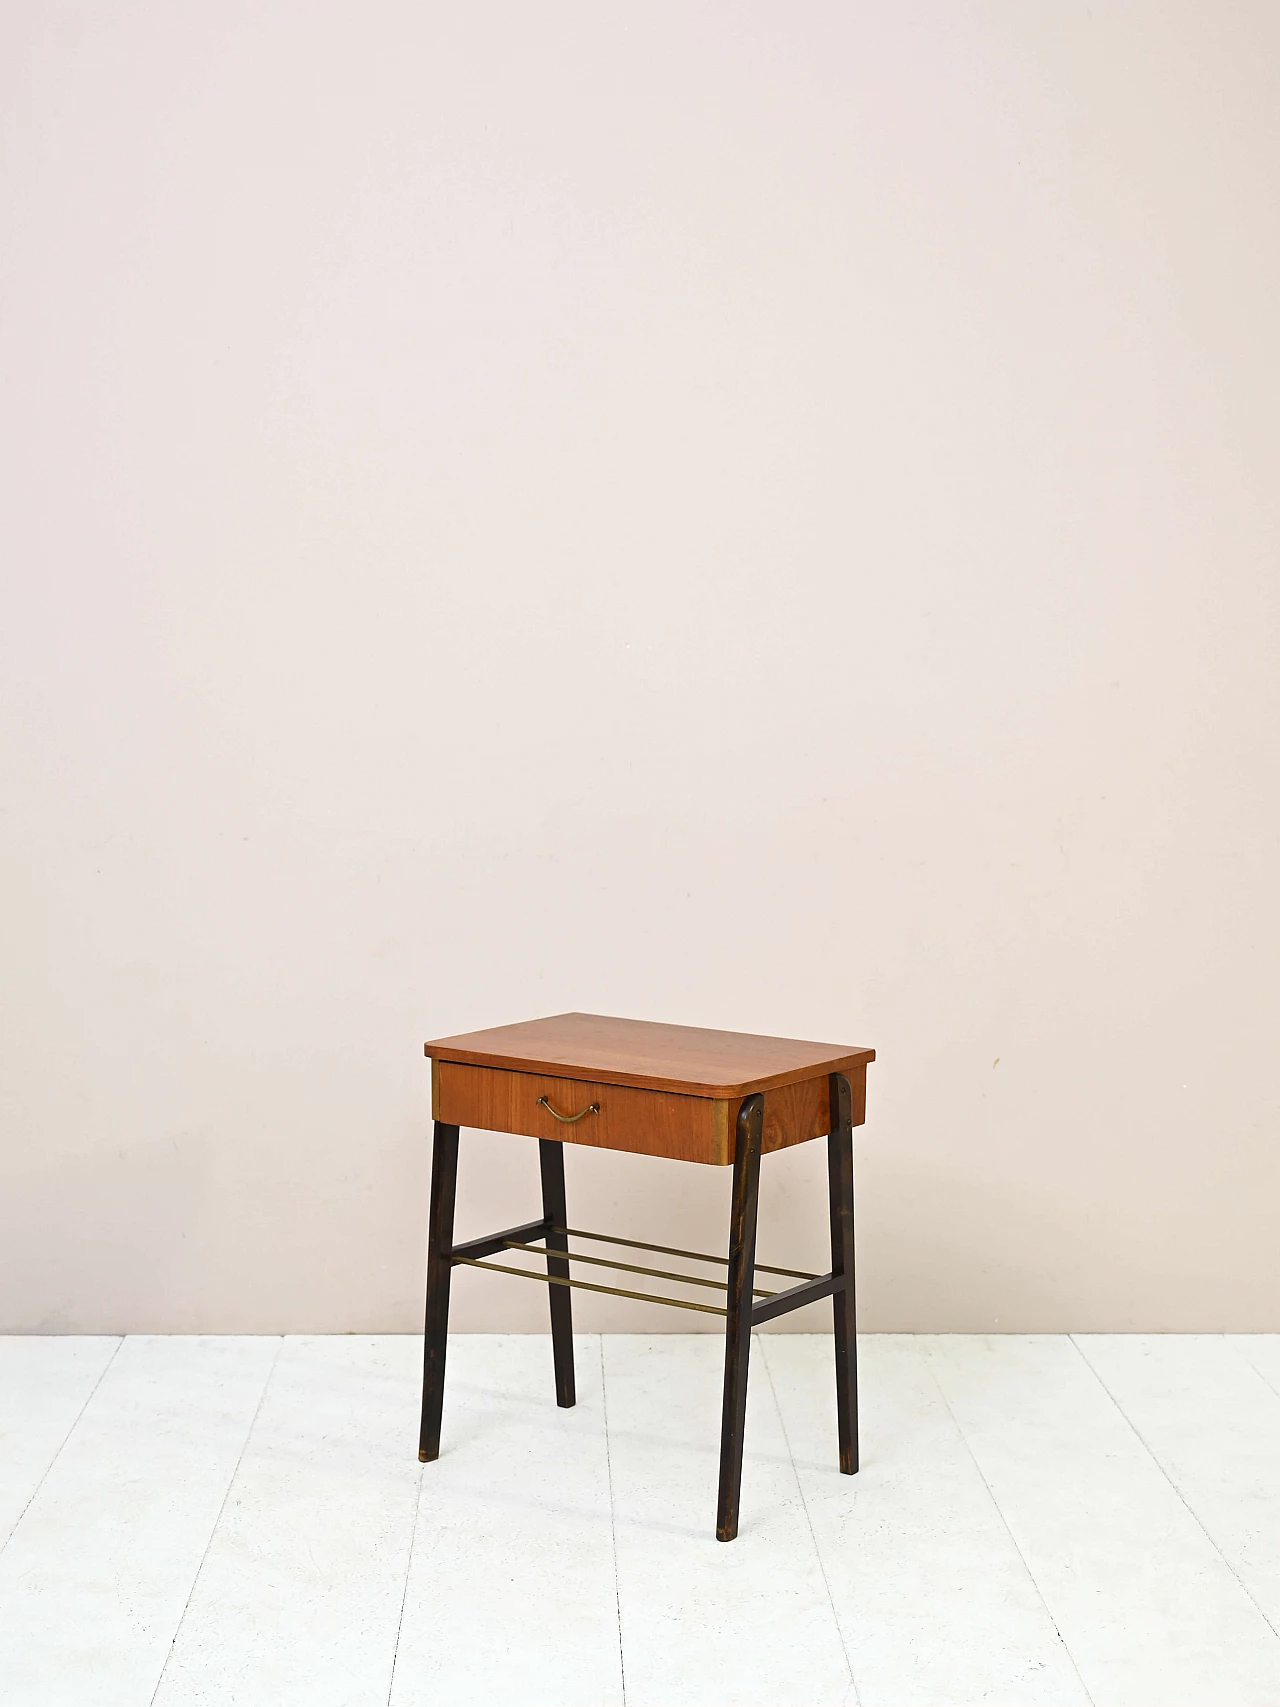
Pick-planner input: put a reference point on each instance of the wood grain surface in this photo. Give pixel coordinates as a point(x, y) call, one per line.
point(630, 1117)
point(792, 1113)
point(685, 1059)
point(648, 1122)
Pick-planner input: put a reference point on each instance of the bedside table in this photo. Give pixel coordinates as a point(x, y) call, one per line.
point(723, 1098)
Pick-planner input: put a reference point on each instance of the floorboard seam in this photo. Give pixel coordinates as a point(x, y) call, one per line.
point(1066, 1648)
point(1150, 1452)
point(804, 1506)
point(231, 1482)
point(62, 1444)
point(1248, 1361)
point(408, 1571)
point(613, 1522)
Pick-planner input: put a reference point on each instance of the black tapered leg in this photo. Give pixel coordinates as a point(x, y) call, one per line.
point(737, 1341)
point(551, 1161)
point(444, 1186)
point(840, 1174)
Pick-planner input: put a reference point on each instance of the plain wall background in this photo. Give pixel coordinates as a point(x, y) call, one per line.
point(752, 515)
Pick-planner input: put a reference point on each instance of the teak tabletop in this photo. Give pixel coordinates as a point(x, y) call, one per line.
point(686, 1059)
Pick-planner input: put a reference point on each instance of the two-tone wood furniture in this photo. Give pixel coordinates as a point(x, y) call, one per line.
point(720, 1097)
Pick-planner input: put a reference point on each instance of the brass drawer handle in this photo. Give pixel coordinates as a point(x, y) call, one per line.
point(570, 1119)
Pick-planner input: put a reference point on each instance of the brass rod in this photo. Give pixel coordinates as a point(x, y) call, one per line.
point(631, 1267)
point(670, 1251)
point(590, 1286)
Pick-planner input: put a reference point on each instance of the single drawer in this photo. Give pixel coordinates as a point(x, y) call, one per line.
point(651, 1122)
point(629, 1117)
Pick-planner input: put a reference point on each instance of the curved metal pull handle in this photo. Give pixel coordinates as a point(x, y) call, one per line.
point(571, 1119)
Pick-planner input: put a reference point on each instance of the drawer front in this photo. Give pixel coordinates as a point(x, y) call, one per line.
point(652, 1123)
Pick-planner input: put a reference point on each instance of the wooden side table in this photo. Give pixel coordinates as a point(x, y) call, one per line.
point(722, 1097)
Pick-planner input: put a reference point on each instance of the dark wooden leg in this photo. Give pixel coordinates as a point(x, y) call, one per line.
point(737, 1342)
point(444, 1185)
point(840, 1174)
point(551, 1161)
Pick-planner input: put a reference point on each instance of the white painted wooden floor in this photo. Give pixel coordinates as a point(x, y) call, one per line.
point(1037, 1520)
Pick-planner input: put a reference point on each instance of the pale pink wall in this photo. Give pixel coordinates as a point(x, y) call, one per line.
point(758, 515)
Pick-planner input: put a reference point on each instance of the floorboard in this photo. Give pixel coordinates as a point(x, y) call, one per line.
point(1213, 1425)
point(1038, 1522)
point(511, 1595)
point(1149, 1609)
point(45, 1383)
point(934, 1600)
point(706, 1622)
point(297, 1602)
point(1260, 1352)
point(97, 1572)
